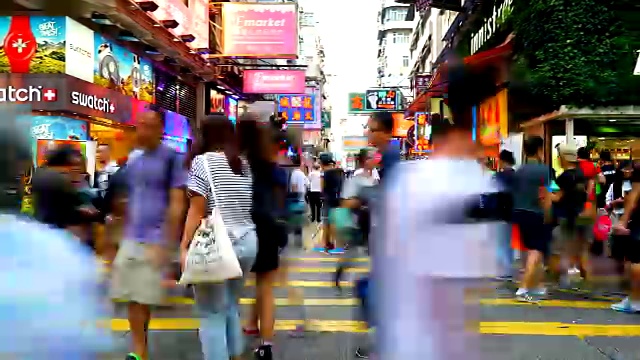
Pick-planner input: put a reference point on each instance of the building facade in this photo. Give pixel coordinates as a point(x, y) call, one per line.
point(394, 34)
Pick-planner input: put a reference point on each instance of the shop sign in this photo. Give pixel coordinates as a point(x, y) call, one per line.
point(354, 143)
point(316, 124)
point(297, 109)
point(326, 119)
point(274, 81)
point(493, 119)
point(357, 103)
point(260, 30)
point(28, 94)
point(491, 25)
point(216, 101)
point(422, 132)
point(636, 71)
point(421, 83)
point(93, 102)
point(382, 99)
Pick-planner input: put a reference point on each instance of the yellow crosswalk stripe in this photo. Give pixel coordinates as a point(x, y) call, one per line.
point(573, 304)
point(304, 269)
point(279, 301)
point(329, 259)
point(306, 283)
point(351, 326)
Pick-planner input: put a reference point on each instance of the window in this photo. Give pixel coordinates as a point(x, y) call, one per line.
point(395, 37)
point(405, 61)
point(404, 38)
point(395, 15)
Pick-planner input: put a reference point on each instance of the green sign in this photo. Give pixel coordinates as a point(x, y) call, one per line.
point(326, 119)
point(357, 103)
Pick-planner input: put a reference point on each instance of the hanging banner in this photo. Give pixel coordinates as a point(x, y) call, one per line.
point(274, 81)
point(267, 31)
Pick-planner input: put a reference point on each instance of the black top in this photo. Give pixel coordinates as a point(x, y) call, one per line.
point(573, 184)
point(56, 200)
point(333, 179)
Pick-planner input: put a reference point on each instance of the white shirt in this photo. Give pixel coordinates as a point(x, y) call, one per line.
point(425, 236)
point(300, 181)
point(104, 174)
point(315, 183)
point(374, 173)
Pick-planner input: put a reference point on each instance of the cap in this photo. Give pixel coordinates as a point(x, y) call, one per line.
point(568, 152)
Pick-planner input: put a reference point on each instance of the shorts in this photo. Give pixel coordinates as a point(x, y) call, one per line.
point(572, 238)
point(326, 211)
point(626, 247)
point(272, 238)
point(134, 277)
point(534, 233)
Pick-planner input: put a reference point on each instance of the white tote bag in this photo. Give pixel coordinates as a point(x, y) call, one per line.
point(211, 257)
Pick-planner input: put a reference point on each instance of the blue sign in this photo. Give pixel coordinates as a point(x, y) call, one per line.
point(58, 128)
point(297, 109)
point(232, 109)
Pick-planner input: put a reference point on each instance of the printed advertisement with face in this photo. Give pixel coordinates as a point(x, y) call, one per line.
point(119, 69)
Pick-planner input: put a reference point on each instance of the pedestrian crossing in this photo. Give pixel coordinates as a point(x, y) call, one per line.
point(329, 311)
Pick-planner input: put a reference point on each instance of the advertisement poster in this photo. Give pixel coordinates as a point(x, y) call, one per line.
point(493, 119)
point(297, 109)
point(32, 44)
point(274, 81)
point(260, 30)
point(119, 69)
point(216, 99)
point(59, 128)
point(43, 147)
point(176, 125)
point(232, 109)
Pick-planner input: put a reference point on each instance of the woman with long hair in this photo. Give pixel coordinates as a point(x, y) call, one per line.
point(217, 156)
point(261, 144)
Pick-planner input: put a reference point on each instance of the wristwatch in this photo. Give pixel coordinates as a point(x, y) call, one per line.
point(20, 44)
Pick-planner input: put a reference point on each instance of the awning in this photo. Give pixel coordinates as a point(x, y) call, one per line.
point(439, 83)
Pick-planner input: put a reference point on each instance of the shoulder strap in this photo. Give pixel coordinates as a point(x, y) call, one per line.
point(207, 169)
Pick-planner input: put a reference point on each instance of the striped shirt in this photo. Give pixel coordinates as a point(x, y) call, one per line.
point(231, 190)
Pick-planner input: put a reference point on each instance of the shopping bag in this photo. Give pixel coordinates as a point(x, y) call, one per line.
point(210, 257)
point(602, 228)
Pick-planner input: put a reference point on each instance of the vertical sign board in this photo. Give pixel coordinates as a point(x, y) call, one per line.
point(382, 100)
point(422, 133)
point(296, 109)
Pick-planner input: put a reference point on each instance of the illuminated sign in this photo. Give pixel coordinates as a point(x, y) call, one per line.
point(381, 99)
point(297, 109)
point(356, 103)
point(422, 133)
point(637, 69)
point(491, 25)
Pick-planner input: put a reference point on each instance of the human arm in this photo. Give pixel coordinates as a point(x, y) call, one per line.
point(630, 200)
point(198, 191)
point(177, 201)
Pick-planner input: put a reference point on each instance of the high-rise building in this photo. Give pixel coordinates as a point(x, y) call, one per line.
point(394, 34)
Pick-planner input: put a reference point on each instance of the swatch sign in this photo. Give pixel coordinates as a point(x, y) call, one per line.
point(274, 82)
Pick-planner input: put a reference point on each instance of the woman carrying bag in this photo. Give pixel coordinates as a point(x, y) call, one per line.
point(220, 190)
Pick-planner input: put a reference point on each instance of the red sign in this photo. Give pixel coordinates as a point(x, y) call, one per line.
point(274, 82)
point(421, 83)
point(260, 30)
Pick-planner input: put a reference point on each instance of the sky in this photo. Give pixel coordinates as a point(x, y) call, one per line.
point(348, 30)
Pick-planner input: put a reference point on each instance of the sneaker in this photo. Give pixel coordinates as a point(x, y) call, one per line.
point(362, 353)
point(524, 295)
point(626, 306)
point(264, 352)
point(539, 292)
point(132, 356)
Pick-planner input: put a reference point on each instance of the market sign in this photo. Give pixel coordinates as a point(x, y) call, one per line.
point(491, 25)
point(381, 100)
point(421, 83)
point(274, 81)
point(297, 109)
point(268, 31)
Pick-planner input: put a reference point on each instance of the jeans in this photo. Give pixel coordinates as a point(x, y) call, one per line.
point(217, 305)
point(505, 250)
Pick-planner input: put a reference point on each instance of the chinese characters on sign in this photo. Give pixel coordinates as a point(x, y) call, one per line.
point(383, 99)
point(297, 109)
point(421, 83)
point(356, 103)
point(422, 133)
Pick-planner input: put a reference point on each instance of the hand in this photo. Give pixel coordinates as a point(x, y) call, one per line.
point(620, 229)
point(88, 210)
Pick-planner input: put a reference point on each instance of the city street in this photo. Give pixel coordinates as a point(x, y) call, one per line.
point(573, 325)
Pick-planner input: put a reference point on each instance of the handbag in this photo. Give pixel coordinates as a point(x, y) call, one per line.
point(211, 257)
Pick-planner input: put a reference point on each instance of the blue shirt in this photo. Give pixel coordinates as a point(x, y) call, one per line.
point(150, 176)
point(50, 302)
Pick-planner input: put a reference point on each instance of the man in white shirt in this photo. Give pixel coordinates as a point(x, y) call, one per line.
point(315, 193)
point(432, 251)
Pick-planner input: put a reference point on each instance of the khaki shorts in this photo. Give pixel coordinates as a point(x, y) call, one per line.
point(134, 277)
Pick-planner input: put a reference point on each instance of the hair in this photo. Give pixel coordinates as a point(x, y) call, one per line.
point(583, 153)
point(467, 87)
point(532, 145)
point(605, 155)
point(385, 119)
point(506, 156)
point(217, 134)
point(295, 159)
point(64, 155)
point(362, 157)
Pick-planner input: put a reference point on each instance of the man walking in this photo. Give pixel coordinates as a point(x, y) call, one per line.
point(156, 180)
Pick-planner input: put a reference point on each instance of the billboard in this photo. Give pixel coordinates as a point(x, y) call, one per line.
point(260, 30)
point(297, 109)
point(274, 81)
point(119, 69)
